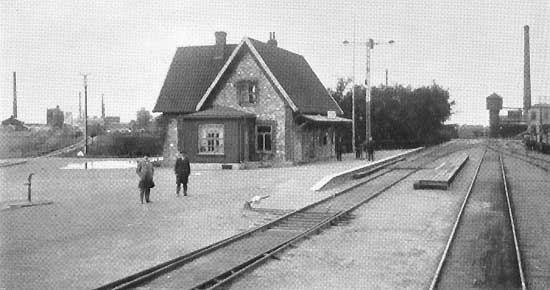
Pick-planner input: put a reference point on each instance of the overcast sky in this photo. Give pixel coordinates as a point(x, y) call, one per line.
point(472, 48)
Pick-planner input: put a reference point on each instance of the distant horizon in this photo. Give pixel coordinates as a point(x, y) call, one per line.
point(472, 49)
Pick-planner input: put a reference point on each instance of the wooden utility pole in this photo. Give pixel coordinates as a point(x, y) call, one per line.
point(14, 96)
point(85, 76)
point(80, 106)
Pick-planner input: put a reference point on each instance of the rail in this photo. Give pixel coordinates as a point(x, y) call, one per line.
point(436, 277)
point(155, 271)
point(512, 222)
point(150, 274)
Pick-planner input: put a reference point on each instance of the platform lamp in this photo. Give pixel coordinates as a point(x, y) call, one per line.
point(368, 110)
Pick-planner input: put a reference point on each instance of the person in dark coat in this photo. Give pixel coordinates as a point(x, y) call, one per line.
point(145, 172)
point(338, 148)
point(182, 169)
point(370, 149)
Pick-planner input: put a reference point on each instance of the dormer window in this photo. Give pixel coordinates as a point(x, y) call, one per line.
point(247, 92)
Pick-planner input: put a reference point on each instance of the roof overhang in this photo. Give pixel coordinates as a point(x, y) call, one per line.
point(320, 119)
point(220, 113)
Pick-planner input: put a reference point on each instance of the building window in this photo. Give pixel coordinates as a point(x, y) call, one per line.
point(323, 138)
point(263, 138)
point(247, 92)
point(211, 139)
point(533, 116)
point(545, 115)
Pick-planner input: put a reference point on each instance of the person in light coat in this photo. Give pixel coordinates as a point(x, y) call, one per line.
point(145, 172)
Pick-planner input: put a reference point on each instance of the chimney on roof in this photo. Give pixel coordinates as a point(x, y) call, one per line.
point(272, 41)
point(220, 44)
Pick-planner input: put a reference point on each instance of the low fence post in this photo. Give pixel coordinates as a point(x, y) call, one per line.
point(28, 184)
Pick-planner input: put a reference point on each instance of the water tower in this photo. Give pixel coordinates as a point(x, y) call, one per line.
point(494, 105)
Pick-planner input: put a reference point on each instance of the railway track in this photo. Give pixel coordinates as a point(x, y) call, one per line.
point(217, 265)
point(529, 182)
point(534, 158)
point(478, 255)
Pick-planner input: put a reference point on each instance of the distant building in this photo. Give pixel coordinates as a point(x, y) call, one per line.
point(111, 121)
point(13, 124)
point(55, 117)
point(69, 118)
point(513, 117)
point(539, 122)
point(472, 131)
point(508, 125)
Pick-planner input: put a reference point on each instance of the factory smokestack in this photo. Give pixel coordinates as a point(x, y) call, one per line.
point(526, 72)
point(14, 96)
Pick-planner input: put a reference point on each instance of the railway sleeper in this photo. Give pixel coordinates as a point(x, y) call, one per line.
point(303, 221)
point(299, 226)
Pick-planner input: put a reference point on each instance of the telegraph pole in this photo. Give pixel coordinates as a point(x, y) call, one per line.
point(79, 106)
point(102, 107)
point(14, 96)
point(85, 76)
point(368, 115)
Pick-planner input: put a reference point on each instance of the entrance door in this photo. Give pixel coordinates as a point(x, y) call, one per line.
point(312, 150)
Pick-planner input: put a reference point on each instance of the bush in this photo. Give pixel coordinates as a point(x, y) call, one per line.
point(126, 145)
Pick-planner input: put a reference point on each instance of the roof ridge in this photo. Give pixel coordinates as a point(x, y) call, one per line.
point(275, 47)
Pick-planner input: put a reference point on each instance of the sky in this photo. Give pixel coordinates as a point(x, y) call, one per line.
point(471, 48)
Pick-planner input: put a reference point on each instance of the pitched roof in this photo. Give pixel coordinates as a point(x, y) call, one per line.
point(193, 75)
point(297, 78)
point(192, 71)
point(220, 113)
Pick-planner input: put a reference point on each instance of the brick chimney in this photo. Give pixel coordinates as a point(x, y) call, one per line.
point(272, 41)
point(220, 44)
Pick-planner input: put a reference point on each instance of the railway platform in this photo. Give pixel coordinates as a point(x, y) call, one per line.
point(442, 176)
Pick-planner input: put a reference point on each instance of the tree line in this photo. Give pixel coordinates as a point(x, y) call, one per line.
point(402, 117)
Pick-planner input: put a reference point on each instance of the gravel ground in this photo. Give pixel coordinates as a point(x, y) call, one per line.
point(96, 230)
point(393, 242)
point(530, 195)
point(482, 254)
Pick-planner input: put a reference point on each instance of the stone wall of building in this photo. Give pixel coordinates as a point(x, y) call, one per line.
point(270, 106)
point(170, 149)
point(309, 145)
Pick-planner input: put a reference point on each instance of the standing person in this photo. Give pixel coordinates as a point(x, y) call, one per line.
point(182, 171)
point(145, 172)
point(339, 148)
point(370, 149)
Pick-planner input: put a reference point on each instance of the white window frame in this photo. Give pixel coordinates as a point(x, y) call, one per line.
point(263, 134)
point(211, 139)
point(247, 92)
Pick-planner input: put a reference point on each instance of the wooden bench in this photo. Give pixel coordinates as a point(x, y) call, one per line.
point(442, 176)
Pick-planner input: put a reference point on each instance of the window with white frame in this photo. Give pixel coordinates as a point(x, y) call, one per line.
point(247, 92)
point(263, 138)
point(211, 139)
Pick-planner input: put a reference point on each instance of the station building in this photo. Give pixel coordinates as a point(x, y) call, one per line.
point(247, 102)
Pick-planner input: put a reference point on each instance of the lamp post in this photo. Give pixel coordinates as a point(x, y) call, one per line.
point(369, 45)
point(352, 100)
